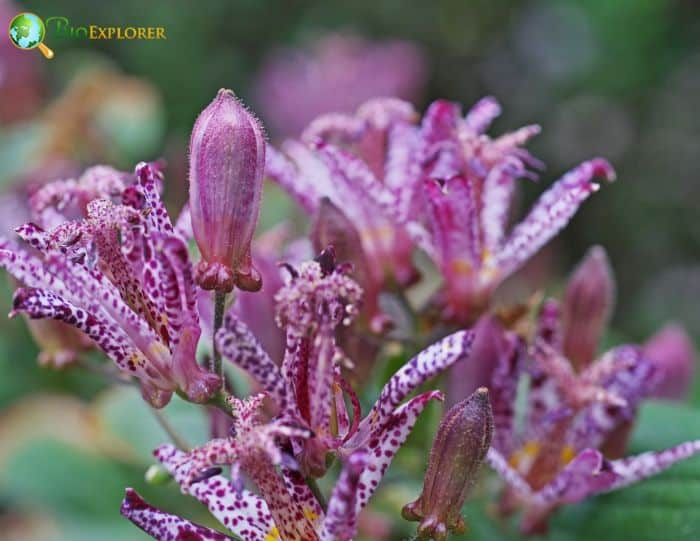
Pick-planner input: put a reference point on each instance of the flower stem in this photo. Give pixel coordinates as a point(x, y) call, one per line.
point(170, 431)
point(219, 303)
point(311, 482)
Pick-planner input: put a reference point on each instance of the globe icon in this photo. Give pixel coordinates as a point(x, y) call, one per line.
point(27, 31)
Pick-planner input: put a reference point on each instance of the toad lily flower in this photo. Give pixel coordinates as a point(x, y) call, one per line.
point(50, 206)
point(309, 386)
point(288, 511)
point(338, 186)
point(123, 277)
point(576, 422)
point(443, 185)
point(468, 190)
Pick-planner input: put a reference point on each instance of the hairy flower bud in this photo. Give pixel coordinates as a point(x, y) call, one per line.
point(588, 302)
point(227, 158)
point(463, 438)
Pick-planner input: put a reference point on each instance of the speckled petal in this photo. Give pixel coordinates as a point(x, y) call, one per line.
point(341, 520)
point(635, 468)
point(43, 304)
point(237, 344)
point(428, 363)
point(242, 512)
point(551, 213)
point(385, 440)
point(164, 526)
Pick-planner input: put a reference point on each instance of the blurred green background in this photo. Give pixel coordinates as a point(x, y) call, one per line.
point(617, 78)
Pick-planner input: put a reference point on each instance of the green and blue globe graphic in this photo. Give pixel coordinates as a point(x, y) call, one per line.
point(27, 31)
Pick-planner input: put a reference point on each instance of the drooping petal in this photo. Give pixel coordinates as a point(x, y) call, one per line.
point(40, 304)
point(173, 276)
point(385, 440)
point(341, 519)
point(551, 213)
point(198, 383)
point(334, 128)
point(428, 363)
point(164, 526)
point(504, 390)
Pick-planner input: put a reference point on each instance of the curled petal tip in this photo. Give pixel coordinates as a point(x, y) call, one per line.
point(603, 169)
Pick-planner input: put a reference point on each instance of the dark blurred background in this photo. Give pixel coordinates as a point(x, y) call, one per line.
point(620, 79)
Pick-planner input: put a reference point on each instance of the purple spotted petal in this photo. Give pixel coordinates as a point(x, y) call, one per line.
point(385, 440)
point(40, 304)
point(428, 363)
point(341, 520)
point(237, 344)
point(635, 468)
point(241, 511)
point(551, 213)
point(163, 526)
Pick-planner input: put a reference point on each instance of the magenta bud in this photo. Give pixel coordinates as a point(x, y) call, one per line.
point(462, 440)
point(227, 158)
point(588, 302)
point(672, 352)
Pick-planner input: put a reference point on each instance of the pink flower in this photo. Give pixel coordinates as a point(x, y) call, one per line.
point(227, 156)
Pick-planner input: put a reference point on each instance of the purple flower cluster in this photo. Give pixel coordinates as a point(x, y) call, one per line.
point(103, 258)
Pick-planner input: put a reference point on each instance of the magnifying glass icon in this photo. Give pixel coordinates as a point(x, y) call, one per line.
point(27, 31)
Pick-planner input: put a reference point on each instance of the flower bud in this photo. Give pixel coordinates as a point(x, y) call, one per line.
point(588, 302)
point(157, 475)
point(463, 438)
point(227, 158)
point(673, 355)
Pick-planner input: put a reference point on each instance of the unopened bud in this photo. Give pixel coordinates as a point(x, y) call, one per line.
point(227, 159)
point(463, 438)
point(157, 475)
point(588, 302)
point(673, 355)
